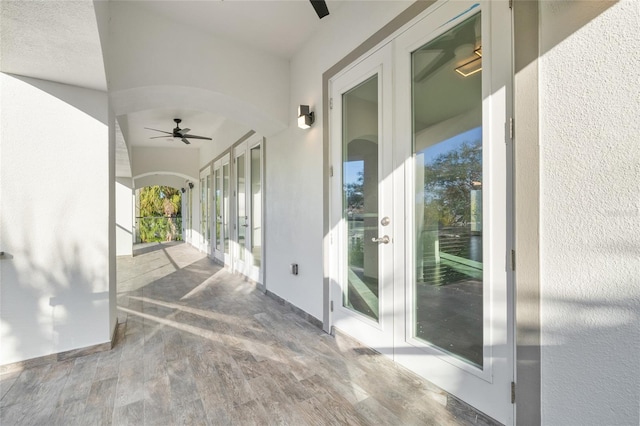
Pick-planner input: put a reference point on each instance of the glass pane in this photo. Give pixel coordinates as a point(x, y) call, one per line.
point(208, 209)
point(256, 206)
point(447, 138)
point(190, 216)
point(360, 195)
point(218, 205)
point(225, 207)
point(242, 211)
point(203, 208)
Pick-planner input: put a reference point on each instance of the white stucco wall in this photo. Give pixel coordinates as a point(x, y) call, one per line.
point(54, 218)
point(590, 212)
point(294, 187)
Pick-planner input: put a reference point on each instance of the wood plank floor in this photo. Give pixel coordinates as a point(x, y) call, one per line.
point(198, 345)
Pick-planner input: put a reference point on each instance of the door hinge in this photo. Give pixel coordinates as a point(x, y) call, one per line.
point(510, 4)
point(330, 103)
point(511, 128)
point(331, 306)
point(331, 171)
point(513, 392)
point(512, 259)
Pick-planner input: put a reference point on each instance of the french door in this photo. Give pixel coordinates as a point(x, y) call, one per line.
point(248, 209)
point(420, 207)
point(221, 209)
point(205, 210)
point(362, 202)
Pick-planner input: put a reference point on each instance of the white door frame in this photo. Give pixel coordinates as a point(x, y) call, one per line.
point(239, 265)
point(204, 181)
point(246, 266)
point(376, 334)
point(219, 165)
point(489, 388)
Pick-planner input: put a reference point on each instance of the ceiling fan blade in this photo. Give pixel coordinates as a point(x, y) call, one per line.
point(163, 137)
point(186, 141)
point(183, 131)
point(321, 8)
point(149, 128)
point(196, 137)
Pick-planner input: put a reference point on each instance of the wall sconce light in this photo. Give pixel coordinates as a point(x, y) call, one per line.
point(190, 185)
point(305, 117)
point(183, 190)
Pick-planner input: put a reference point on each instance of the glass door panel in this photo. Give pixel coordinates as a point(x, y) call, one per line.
point(220, 209)
point(208, 210)
point(256, 205)
point(203, 217)
point(242, 219)
point(225, 207)
point(217, 190)
point(360, 196)
point(454, 324)
point(447, 149)
point(362, 275)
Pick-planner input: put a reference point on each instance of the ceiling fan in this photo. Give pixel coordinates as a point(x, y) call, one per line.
point(178, 133)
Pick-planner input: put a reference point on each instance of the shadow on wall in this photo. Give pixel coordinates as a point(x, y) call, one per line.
point(573, 15)
point(90, 105)
point(52, 302)
point(54, 224)
point(599, 338)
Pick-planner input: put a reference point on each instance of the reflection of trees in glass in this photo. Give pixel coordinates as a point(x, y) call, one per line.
point(448, 181)
point(159, 211)
point(354, 193)
point(354, 203)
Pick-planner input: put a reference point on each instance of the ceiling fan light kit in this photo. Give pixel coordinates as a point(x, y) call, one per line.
point(178, 133)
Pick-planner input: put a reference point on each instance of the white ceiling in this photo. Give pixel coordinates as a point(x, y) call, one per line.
point(277, 27)
point(59, 41)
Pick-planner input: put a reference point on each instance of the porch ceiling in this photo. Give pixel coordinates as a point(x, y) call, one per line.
point(59, 41)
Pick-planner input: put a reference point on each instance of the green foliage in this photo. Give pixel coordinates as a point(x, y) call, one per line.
point(160, 211)
point(354, 193)
point(449, 179)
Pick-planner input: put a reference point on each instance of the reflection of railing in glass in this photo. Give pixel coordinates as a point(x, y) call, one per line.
point(447, 142)
point(158, 228)
point(360, 197)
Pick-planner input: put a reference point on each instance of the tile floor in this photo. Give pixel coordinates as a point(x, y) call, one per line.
point(198, 345)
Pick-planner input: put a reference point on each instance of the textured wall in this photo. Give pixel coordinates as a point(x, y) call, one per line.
point(294, 229)
point(54, 188)
point(590, 212)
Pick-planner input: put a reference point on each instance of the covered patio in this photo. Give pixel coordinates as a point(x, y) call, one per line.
point(199, 345)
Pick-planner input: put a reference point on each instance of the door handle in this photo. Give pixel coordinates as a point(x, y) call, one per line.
point(383, 240)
